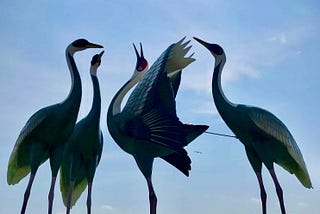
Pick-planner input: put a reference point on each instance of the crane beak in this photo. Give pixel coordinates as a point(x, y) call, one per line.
point(136, 51)
point(139, 56)
point(100, 54)
point(205, 44)
point(141, 50)
point(92, 45)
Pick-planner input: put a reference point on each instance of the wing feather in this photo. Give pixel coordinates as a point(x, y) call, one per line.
point(18, 168)
point(270, 124)
point(171, 60)
point(160, 128)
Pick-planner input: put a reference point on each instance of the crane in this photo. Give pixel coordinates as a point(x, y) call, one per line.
point(266, 139)
point(148, 127)
point(45, 133)
point(83, 149)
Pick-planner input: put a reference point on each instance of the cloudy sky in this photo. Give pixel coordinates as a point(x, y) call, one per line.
point(272, 50)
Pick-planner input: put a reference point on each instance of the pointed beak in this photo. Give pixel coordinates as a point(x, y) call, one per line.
point(100, 54)
point(205, 44)
point(141, 50)
point(135, 49)
point(92, 45)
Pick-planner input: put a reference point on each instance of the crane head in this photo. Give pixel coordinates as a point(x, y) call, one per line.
point(95, 63)
point(142, 63)
point(96, 59)
point(82, 44)
point(216, 50)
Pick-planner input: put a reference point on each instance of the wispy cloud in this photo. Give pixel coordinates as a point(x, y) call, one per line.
point(280, 38)
point(255, 200)
point(302, 204)
point(106, 207)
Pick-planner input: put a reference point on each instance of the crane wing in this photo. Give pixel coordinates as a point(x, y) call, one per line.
point(143, 96)
point(158, 127)
point(80, 184)
point(271, 125)
point(100, 148)
point(18, 168)
point(175, 80)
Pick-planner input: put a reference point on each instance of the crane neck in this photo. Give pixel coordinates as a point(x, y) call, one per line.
point(96, 102)
point(115, 105)
point(221, 101)
point(74, 97)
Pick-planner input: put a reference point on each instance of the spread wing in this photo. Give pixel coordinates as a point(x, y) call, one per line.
point(143, 96)
point(271, 125)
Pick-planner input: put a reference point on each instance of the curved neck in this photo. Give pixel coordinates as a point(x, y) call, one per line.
point(115, 105)
point(96, 103)
point(75, 93)
point(222, 103)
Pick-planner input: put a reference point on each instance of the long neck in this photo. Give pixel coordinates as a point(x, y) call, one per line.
point(115, 105)
point(222, 103)
point(96, 103)
point(74, 97)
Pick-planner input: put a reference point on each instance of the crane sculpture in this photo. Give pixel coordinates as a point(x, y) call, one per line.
point(45, 133)
point(83, 150)
point(148, 127)
point(266, 139)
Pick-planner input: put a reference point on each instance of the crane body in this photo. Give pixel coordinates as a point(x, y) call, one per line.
point(266, 138)
point(148, 126)
point(45, 133)
point(83, 150)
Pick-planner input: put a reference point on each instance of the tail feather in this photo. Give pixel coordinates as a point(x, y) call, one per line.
point(181, 161)
point(193, 131)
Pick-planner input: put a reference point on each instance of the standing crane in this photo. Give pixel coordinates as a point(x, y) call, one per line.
point(266, 139)
point(148, 126)
point(45, 133)
point(83, 149)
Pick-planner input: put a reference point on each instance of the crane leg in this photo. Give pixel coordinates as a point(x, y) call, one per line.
point(27, 194)
point(278, 190)
point(89, 198)
point(51, 194)
point(263, 193)
point(69, 196)
point(152, 197)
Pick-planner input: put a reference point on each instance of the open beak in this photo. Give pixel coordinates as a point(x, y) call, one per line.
point(137, 53)
point(92, 45)
point(205, 44)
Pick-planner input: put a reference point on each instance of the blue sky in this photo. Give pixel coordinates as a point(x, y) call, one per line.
point(272, 50)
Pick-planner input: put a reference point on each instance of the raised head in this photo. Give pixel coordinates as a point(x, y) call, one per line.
point(81, 44)
point(142, 63)
point(215, 50)
point(95, 63)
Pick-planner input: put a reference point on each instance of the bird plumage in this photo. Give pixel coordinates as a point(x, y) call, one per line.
point(266, 139)
point(47, 130)
point(148, 126)
point(84, 147)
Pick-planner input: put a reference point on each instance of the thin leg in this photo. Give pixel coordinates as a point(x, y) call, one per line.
point(263, 193)
point(69, 197)
point(51, 194)
point(27, 194)
point(256, 164)
point(278, 189)
point(89, 198)
point(152, 197)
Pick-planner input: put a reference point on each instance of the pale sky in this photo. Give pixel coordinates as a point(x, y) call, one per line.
point(273, 52)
